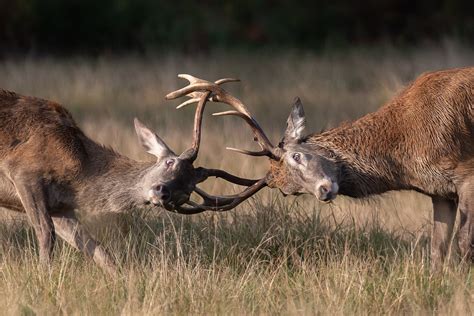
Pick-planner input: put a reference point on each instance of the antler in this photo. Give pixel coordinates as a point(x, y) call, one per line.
point(201, 98)
point(199, 87)
point(201, 91)
point(220, 203)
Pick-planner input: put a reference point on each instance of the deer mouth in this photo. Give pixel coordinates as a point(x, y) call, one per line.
point(328, 198)
point(176, 200)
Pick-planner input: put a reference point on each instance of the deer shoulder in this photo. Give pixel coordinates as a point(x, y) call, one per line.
point(39, 137)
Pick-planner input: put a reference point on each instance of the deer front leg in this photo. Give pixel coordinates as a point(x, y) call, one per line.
point(33, 198)
point(444, 216)
point(70, 229)
point(466, 224)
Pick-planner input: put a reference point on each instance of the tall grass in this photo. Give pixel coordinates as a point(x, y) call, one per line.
point(270, 255)
point(273, 258)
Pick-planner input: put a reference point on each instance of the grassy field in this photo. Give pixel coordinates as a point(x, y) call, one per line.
point(270, 255)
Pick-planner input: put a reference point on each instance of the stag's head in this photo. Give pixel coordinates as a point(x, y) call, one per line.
point(172, 179)
point(296, 166)
point(299, 167)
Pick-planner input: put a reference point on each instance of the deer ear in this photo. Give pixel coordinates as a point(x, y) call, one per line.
point(296, 122)
point(150, 141)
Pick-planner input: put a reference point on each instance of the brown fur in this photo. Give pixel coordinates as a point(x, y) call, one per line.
point(49, 168)
point(278, 174)
point(40, 137)
point(421, 140)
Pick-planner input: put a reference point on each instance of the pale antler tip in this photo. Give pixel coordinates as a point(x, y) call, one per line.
point(188, 77)
point(187, 102)
point(225, 80)
point(241, 151)
point(226, 113)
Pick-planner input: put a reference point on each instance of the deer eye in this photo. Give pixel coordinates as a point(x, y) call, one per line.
point(169, 162)
point(296, 157)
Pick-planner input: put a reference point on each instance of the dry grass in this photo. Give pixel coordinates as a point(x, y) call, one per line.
point(270, 255)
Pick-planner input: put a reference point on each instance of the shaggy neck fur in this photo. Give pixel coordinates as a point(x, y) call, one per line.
point(389, 150)
point(363, 170)
point(417, 141)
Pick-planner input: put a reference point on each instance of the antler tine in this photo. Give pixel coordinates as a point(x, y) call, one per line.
point(189, 78)
point(250, 152)
point(225, 80)
point(196, 96)
point(221, 203)
point(220, 95)
point(259, 136)
point(196, 86)
point(191, 153)
point(196, 209)
point(207, 173)
point(193, 80)
point(201, 91)
point(188, 102)
point(201, 98)
point(227, 202)
point(242, 112)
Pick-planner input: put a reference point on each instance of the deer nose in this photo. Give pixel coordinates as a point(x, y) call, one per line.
point(325, 192)
point(162, 193)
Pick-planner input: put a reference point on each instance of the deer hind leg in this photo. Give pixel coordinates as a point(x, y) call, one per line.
point(72, 231)
point(466, 224)
point(33, 198)
point(444, 216)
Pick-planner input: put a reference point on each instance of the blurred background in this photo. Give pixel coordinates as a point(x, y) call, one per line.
point(109, 61)
point(111, 26)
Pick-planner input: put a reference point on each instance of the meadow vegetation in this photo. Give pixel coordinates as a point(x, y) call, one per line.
point(271, 254)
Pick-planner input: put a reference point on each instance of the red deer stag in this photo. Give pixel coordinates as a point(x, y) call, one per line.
point(49, 168)
point(421, 140)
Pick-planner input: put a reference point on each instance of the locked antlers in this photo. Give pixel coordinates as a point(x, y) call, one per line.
point(200, 91)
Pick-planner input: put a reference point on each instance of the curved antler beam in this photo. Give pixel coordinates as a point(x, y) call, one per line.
point(200, 91)
point(220, 203)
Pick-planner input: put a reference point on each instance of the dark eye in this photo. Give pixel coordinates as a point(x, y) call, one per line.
point(169, 162)
point(296, 157)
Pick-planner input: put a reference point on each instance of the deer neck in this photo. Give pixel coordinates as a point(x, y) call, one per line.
point(366, 164)
point(112, 183)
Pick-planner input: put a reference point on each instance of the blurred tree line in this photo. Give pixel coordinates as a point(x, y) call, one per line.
point(97, 26)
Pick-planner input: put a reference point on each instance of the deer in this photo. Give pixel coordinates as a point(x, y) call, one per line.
point(49, 169)
point(421, 140)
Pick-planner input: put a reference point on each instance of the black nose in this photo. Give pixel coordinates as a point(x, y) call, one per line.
point(325, 193)
point(163, 193)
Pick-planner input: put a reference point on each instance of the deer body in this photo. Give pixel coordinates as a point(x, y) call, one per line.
point(49, 168)
point(40, 139)
point(422, 140)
